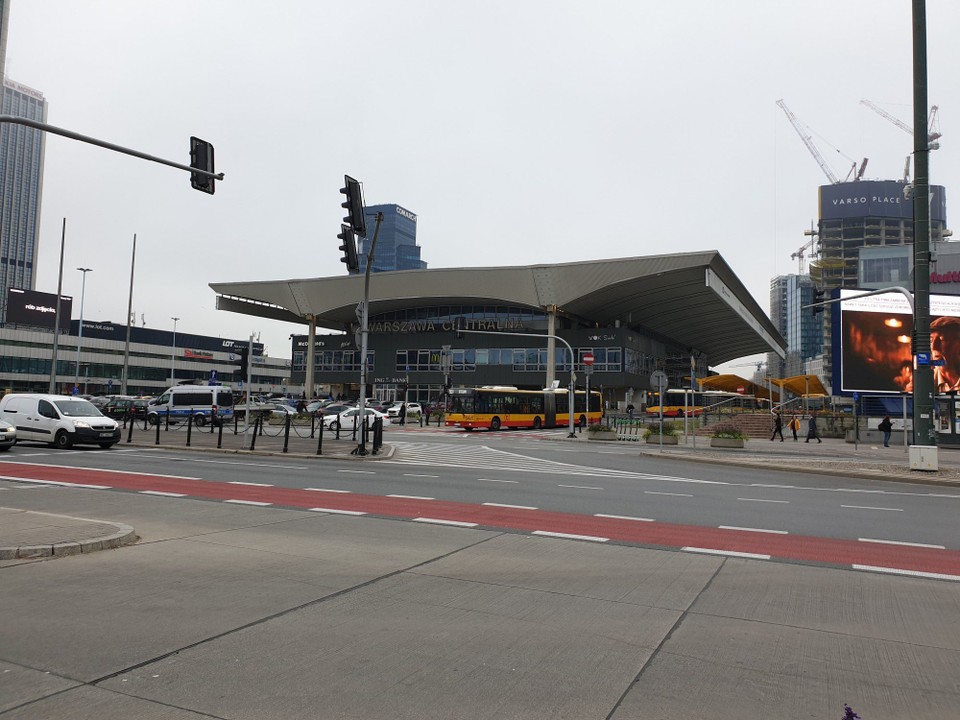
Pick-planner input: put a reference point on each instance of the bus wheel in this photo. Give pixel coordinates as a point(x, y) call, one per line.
point(583, 421)
point(680, 414)
point(537, 424)
point(495, 424)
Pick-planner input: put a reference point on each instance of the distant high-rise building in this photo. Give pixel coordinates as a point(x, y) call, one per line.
point(21, 180)
point(397, 247)
point(800, 327)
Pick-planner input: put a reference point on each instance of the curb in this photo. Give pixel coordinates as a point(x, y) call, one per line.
point(124, 535)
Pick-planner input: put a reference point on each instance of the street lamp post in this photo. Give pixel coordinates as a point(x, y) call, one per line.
point(83, 291)
point(173, 354)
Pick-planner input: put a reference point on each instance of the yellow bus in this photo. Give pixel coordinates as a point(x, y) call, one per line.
point(692, 403)
point(496, 407)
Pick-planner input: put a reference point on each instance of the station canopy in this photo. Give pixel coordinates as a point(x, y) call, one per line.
point(693, 299)
point(803, 386)
point(737, 384)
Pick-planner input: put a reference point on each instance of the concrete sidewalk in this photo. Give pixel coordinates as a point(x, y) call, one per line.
point(250, 613)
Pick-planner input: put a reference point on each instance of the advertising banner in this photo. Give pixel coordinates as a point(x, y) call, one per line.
point(38, 309)
point(876, 198)
point(875, 351)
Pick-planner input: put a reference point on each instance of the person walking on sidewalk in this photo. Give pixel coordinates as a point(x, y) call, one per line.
point(777, 426)
point(403, 413)
point(886, 427)
point(812, 433)
point(794, 426)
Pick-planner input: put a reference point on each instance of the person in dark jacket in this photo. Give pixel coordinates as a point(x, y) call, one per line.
point(886, 427)
point(403, 413)
point(812, 433)
point(777, 427)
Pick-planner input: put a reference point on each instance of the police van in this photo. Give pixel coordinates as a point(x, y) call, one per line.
point(204, 403)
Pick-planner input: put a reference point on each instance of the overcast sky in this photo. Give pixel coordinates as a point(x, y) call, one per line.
point(518, 132)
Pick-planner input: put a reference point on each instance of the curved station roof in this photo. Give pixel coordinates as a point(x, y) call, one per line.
point(694, 299)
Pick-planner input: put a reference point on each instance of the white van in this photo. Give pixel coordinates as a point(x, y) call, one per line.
point(59, 420)
point(206, 403)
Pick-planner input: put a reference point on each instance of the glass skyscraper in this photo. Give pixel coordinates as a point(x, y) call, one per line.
point(397, 247)
point(21, 181)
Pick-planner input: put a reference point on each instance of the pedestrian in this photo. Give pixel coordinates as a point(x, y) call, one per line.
point(794, 426)
point(403, 413)
point(777, 426)
point(885, 426)
point(630, 409)
point(427, 409)
point(812, 433)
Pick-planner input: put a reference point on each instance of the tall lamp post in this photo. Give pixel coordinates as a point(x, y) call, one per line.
point(83, 291)
point(173, 354)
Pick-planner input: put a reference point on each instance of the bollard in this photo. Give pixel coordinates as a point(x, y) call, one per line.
point(286, 432)
point(220, 437)
point(236, 423)
point(130, 432)
point(320, 441)
point(189, 428)
point(253, 438)
point(157, 442)
point(353, 436)
point(313, 424)
point(167, 424)
point(213, 421)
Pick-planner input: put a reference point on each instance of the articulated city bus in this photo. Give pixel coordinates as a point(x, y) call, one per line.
point(496, 407)
point(690, 403)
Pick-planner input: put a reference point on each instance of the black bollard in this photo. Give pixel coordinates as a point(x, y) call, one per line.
point(167, 423)
point(313, 424)
point(320, 441)
point(220, 437)
point(130, 431)
point(286, 432)
point(236, 421)
point(189, 428)
point(157, 442)
point(253, 438)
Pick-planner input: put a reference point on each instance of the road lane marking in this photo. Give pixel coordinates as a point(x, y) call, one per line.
point(762, 500)
point(757, 530)
point(411, 497)
point(512, 482)
point(569, 536)
point(438, 521)
point(358, 472)
point(327, 490)
point(249, 502)
point(55, 482)
point(251, 484)
point(514, 507)
point(867, 507)
point(911, 573)
point(337, 512)
point(581, 487)
point(731, 553)
point(654, 492)
point(899, 542)
point(420, 476)
point(160, 492)
point(624, 517)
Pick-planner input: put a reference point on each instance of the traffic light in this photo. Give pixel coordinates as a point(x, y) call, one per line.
point(349, 248)
point(354, 206)
point(244, 359)
point(201, 158)
point(818, 297)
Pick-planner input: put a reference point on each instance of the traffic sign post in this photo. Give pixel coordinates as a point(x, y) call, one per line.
point(588, 371)
point(658, 380)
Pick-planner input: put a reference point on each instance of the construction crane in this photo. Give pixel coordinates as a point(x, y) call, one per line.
point(808, 141)
point(809, 245)
point(932, 135)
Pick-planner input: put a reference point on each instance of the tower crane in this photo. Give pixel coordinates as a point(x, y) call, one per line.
point(932, 135)
point(854, 174)
point(809, 245)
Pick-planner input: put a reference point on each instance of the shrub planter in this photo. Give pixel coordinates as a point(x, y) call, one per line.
point(726, 442)
point(667, 439)
point(602, 435)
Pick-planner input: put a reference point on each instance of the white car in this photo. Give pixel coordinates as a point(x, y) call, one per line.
point(346, 419)
point(412, 409)
point(8, 435)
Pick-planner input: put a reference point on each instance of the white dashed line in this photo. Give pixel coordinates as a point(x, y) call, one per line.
point(624, 517)
point(411, 497)
point(338, 512)
point(654, 492)
point(757, 530)
point(514, 507)
point(249, 502)
point(731, 553)
point(437, 521)
point(581, 487)
point(358, 472)
point(161, 493)
point(898, 542)
point(420, 476)
point(511, 482)
point(56, 482)
point(911, 573)
point(786, 502)
point(347, 492)
point(568, 536)
point(252, 484)
point(867, 507)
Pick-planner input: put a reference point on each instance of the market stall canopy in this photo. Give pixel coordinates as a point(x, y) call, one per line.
point(733, 383)
point(694, 299)
point(803, 386)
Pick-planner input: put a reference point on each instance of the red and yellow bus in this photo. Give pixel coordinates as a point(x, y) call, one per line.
point(496, 407)
point(682, 402)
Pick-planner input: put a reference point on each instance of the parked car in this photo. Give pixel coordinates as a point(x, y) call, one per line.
point(120, 406)
point(334, 409)
point(8, 436)
point(347, 418)
point(413, 409)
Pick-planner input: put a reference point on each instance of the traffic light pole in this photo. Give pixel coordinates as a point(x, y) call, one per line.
point(361, 448)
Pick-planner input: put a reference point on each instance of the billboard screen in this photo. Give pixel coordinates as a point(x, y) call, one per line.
point(876, 198)
point(38, 309)
point(874, 351)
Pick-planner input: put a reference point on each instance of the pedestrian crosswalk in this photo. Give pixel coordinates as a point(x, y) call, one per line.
point(488, 458)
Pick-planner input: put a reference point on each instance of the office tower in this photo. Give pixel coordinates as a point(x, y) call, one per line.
point(397, 247)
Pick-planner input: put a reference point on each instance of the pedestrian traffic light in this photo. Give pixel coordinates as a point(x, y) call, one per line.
point(817, 298)
point(201, 158)
point(244, 360)
point(354, 206)
point(349, 248)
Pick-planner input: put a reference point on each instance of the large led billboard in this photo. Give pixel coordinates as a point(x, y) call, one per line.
point(38, 309)
point(874, 350)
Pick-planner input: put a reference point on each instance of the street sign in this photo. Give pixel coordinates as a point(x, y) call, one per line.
point(741, 389)
point(658, 380)
point(588, 359)
point(938, 363)
point(923, 359)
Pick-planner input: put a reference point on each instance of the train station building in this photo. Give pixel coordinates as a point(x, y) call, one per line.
point(678, 313)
